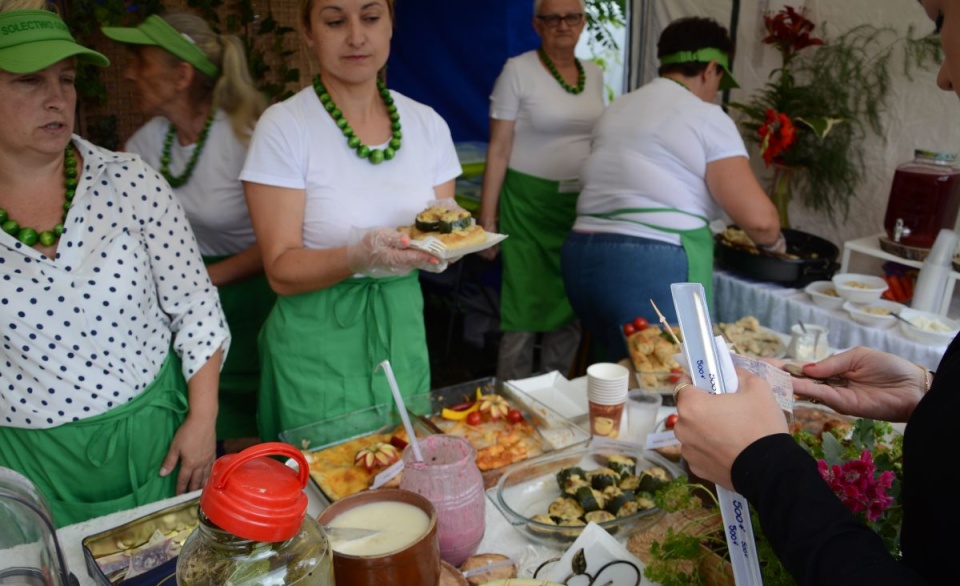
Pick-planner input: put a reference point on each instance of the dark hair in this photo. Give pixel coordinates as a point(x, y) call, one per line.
point(691, 34)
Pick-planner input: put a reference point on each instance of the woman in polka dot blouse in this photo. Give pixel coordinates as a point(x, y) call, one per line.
point(196, 84)
point(106, 309)
point(331, 173)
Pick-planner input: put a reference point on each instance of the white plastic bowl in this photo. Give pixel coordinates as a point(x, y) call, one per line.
point(927, 335)
point(870, 290)
point(817, 291)
point(862, 314)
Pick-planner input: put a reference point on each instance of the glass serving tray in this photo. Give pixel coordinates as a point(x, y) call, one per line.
point(337, 440)
point(526, 490)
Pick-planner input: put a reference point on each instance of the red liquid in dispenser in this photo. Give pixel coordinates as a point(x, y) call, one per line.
point(925, 195)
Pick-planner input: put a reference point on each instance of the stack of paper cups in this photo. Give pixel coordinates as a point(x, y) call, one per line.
point(606, 394)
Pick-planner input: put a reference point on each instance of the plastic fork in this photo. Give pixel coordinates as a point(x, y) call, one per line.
point(431, 245)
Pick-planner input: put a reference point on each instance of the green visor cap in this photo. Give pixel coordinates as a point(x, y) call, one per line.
point(705, 56)
point(157, 32)
point(31, 40)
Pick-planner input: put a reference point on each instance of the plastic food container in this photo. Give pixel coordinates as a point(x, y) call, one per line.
point(526, 490)
point(859, 288)
point(819, 292)
point(876, 314)
point(928, 328)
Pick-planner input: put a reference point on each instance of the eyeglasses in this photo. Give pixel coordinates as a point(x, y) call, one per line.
point(553, 20)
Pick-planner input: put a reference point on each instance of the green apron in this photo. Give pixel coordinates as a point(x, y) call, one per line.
point(538, 217)
point(106, 463)
point(697, 243)
point(246, 305)
point(318, 351)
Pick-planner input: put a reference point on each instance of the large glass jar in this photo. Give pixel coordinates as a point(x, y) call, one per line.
point(924, 198)
point(253, 528)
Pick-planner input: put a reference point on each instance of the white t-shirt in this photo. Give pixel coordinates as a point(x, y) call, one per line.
point(552, 134)
point(213, 196)
point(297, 145)
point(89, 330)
point(650, 150)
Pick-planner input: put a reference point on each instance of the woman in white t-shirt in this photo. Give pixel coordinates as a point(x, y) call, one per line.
point(664, 162)
point(196, 84)
point(329, 177)
point(542, 110)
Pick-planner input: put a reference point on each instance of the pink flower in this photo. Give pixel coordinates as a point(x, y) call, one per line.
point(858, 486)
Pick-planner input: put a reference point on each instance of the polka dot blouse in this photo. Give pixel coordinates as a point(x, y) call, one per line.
point(90, 329)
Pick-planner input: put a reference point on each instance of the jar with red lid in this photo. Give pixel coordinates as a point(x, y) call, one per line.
point(924, 199)
point(253, 525)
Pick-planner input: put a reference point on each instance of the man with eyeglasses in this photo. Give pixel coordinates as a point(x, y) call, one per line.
point(542, 111)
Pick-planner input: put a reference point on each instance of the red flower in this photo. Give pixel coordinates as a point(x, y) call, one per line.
point(776, 134)
point(789, 30)
point(858, 486)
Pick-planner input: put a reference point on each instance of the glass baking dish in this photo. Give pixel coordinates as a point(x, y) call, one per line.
point(527, 489)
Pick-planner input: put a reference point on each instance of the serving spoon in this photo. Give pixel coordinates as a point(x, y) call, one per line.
point(348, 533)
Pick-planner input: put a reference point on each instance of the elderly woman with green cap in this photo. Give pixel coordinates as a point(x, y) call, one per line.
point(196, 86)
point(105, 307)
point(664, 162)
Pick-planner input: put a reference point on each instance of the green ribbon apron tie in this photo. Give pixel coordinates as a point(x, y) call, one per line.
point(697, 243)
point(318, 351)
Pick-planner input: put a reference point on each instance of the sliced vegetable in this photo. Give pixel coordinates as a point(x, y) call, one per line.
point(475, 418)
point(493, 405)
point(378, 455)
point(454, 414)
point(589, 499)
point(437, 219)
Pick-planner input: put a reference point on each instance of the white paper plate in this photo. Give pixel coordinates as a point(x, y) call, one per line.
point(492, 239)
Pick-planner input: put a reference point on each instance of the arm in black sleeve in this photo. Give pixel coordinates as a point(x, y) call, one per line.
point(813, 533)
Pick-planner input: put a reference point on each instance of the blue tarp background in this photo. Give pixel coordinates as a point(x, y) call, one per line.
point(448, 53)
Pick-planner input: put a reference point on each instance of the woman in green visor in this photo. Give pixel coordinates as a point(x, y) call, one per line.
point(105, 307)
point(332, 171)
point(665, 161)
point(196, 86)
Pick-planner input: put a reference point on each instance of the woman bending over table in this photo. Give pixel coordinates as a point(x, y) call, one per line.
point(664, 162)
point(105, 307)
point(542, 110)
point(196, 84)
point(331, 173)
point(740, 441)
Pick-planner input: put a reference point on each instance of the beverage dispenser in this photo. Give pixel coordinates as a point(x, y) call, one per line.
point(924, 198)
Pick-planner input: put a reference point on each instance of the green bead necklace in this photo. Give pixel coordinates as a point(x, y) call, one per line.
point(29, 236)
point(581, 76)
point(178, 180)
point(375, 156)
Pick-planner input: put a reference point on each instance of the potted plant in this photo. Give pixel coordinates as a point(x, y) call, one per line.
point(812, 116)
point(863, 466)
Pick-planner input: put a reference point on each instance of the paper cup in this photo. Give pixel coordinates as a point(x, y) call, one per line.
point(607, 383)
point(605, 419)
point(642, 410)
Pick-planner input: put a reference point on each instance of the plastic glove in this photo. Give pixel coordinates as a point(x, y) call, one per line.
point(385, 252)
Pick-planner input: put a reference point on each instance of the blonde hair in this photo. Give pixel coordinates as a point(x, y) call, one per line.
point(307, 5)
point(6, 5)
point(233, 90)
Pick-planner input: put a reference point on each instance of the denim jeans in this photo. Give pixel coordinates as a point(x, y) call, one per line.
point(610, 280)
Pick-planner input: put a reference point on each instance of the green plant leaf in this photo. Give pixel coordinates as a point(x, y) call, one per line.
point(820, 126)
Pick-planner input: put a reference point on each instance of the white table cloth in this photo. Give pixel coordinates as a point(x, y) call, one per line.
point(779, 308)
